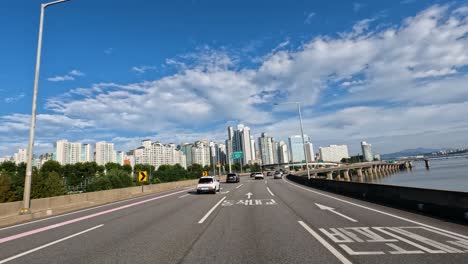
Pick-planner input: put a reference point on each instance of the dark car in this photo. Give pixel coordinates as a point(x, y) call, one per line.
point(232, 177)
point(270, 173)
point(252, 174)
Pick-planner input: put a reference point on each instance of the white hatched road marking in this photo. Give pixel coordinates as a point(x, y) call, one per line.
point(375, 210)
point(330, 248)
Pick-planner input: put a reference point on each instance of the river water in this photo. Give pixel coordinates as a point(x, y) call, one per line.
point(445, 174)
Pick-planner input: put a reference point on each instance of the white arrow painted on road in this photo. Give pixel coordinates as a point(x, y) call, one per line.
point(323, 207)
point(248, 195)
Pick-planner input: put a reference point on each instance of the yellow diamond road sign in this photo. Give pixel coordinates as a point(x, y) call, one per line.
point(204, 173)
point(142, 176)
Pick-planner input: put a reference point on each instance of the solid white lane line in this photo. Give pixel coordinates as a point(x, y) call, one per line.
point(239, 186)
point(378, 211)
point(184, 195)
point(210, 211)
point(330, 248)
point(83, 210)
point(270, 191)
point(47, 245)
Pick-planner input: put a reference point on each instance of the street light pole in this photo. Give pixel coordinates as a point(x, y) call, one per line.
point(303, 141)
point(27, 180)
point(302, 134)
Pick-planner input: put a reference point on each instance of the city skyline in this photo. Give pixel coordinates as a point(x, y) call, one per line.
point(213, 78)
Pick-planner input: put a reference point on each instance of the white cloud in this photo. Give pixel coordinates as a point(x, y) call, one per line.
point(309, 17)
point(61, 78)
point(415, 72)
point(142, 69)
point(68, 77)
point(13, 99)
point(76, 73)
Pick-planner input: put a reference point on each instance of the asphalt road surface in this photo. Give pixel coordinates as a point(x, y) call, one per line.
point(254, 221)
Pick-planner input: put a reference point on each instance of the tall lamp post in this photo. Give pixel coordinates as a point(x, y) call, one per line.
point(298, 104)
point(27, 180)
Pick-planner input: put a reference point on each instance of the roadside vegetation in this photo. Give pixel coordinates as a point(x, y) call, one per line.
point(53, 179)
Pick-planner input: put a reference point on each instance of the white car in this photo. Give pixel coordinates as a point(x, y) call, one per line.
point(208, 184)
point(259, 175)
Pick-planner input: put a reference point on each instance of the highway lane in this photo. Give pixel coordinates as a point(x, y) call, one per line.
point(280, 223)
point(379, 233)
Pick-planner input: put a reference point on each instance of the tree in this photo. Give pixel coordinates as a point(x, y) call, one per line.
point(127, 168)
point(69, 171)
point(54, 185)
point(99, 184)
point(119, 178)
point(7, 193)
point(112, 166)
point(100, 170)
point(50, 166)
point(256, 167)
point(9, 167)
point(169, 173)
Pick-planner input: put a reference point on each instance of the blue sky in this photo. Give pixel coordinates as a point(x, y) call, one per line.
point(389, 72)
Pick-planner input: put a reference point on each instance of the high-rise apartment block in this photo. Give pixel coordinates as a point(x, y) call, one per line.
point(334, 153)
point(21, 156)
point(240, 140)
point(265, 144)
point(104, 153)
point(157, 154)
point(367, 151)
point(201, 153)
point(297, 148)
point(67, 152)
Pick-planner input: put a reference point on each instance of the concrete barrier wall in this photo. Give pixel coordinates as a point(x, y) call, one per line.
point(445, 204)
point(65, 203)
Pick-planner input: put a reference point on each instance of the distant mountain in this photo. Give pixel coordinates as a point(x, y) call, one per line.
point(408, 152)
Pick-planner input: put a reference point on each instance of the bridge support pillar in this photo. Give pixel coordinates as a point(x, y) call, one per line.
point(359, 174)
point(346, 175)
point(330, 175)
point(369, 173)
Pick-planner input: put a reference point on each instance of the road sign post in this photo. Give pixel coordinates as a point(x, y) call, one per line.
point(238, 155)
point(142, 177)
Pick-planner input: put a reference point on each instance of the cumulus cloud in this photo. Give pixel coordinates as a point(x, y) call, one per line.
point(371, 82)
point(13, 99)
point(68, 77)
point(143, 68)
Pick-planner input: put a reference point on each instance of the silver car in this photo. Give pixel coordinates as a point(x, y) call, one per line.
point(278, 175)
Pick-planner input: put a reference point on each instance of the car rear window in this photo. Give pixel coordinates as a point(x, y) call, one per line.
point(205, 180)
point(231, 174)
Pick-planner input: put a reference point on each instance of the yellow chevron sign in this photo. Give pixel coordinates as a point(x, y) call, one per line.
point(142, 176)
